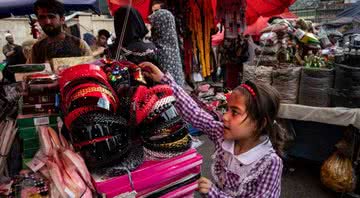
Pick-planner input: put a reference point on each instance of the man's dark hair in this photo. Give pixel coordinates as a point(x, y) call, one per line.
point(162, 3)
point(53, 6)
point(104, 32)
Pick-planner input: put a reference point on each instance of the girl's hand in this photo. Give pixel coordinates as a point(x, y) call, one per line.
point(151, 71)
point(204, 185)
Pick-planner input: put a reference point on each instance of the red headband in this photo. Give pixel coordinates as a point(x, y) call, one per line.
point(249, 89)
point(145, 99)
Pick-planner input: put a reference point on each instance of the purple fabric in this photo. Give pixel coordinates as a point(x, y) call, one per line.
point(262, 182)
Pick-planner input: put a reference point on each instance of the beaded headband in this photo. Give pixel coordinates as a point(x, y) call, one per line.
point(94, 125)
point(146, 101)
point(77, 113)
point(249, 89)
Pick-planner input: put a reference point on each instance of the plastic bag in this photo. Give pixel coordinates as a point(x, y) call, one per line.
point(337, 173)
point(268, 39)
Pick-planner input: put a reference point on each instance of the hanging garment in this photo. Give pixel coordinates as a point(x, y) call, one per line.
point(201, 31)
point(165, 38)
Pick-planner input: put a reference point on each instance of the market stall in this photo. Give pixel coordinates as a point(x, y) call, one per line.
point(316, 73)
point(103, 125)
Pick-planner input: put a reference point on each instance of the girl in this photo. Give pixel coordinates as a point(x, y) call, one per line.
point(247, 142)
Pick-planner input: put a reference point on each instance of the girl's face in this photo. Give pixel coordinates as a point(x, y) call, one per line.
point(237, 124)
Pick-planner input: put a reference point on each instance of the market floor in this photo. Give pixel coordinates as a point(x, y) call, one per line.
point(303, 181)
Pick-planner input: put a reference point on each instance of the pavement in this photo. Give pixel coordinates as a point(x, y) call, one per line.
point(301, 179)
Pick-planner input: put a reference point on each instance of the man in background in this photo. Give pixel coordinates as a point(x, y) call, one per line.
point(8, 49)
point(14, 55)
point(100, 47)
point(57, 43)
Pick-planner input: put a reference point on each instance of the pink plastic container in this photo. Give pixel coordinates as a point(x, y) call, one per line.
point(153, 175)
point(183, 192)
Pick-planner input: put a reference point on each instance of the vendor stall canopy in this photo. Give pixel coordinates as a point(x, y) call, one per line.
point(25, 7)
point(142, 6)
point(352, 11)
point(265, 8)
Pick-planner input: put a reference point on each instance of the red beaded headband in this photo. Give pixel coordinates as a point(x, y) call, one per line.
point(249, 89)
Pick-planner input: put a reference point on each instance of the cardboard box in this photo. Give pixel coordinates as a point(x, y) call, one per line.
point(38, 108)
point(39, 99)
point(33, 120)
point(31, 132)
point(19, 77)
point(59, 64)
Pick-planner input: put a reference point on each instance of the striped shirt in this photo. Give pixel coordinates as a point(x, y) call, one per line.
point(261, 180)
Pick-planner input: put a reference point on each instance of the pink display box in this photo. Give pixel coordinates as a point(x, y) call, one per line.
point(183, 192)
point(152, 175)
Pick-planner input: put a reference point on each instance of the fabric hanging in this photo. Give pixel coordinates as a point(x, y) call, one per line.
point(200, 25)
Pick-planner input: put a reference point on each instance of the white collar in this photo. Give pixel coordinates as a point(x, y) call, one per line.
point(252, 155)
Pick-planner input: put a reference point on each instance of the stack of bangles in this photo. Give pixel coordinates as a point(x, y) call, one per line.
point(164, 133)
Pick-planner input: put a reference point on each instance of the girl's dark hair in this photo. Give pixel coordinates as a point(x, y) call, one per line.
point(263, 109)
point(53, 6)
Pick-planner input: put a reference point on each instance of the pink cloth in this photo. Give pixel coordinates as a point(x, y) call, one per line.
point(218, 38)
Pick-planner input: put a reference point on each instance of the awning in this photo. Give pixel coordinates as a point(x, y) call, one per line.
point(25, 7)
point(351, 11)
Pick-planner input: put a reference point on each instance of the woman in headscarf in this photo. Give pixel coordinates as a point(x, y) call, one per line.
point(164, 36)
point(133, 46)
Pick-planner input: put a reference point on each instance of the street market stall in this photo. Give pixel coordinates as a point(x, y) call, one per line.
point(316, 73)
point(117, 133)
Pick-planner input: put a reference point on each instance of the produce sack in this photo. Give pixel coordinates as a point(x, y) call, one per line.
point(268, 50)
point(286, 81)
point(269, 60)
point(280, 27)
point(315, 85)
point(337, 173)
point(260, 74)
